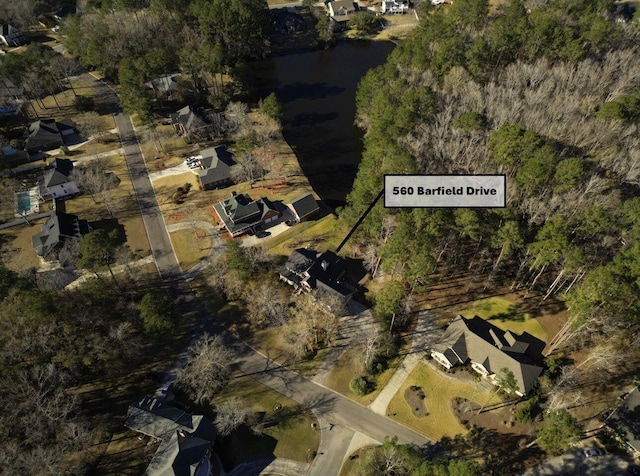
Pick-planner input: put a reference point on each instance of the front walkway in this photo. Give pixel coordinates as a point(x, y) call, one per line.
point(425, 335)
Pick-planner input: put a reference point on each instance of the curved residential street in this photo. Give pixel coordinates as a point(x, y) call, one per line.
point(340, 419)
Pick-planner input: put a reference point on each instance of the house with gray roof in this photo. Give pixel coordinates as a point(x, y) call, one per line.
point(310, 270)
point(189, 121)
point(58, 228)
point(47, 134)
point(56, 182)
point(11, 36)
point(216, 164)
point(240, 214)
point(304, 207)
point(186, 439)
point(42, 135)
point(165, 84)
point(489, 349)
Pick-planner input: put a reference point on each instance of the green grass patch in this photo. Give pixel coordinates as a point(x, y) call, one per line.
point(267, 341)
point(322, 234)
point(292, 437)
point(190, 246)
point(505, 314)
point(440, 393)
point(347, 367)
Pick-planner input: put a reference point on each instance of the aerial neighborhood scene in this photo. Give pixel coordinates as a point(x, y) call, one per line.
point(324, 238)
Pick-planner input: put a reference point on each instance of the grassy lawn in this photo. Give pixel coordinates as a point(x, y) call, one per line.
point(292, 435)
point(347, 367)
point(268, 342)
point(123, 204)
point(439, 395)
point(322, 234)
point(190, 246)
point(17, 249)
point(504, 314)
point(165, 144)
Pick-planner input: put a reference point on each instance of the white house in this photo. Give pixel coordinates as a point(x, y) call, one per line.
point(56, 182)
point(394, 6)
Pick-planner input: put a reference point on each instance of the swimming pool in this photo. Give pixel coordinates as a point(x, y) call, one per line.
point(23, 203)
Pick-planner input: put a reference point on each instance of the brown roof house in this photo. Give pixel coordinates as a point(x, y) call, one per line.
point(489, 349)
point(216, 163)
point(186, 439)
point(56, 182)
point(304, 207)
point(58, 228)
point(241, 214)
point(625, 421)
point(308, 270)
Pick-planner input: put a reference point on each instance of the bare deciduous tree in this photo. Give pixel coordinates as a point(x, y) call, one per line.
point(208, 369)
point(230, 414)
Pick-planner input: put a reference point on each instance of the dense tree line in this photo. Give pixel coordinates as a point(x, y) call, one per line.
point(544, 92)
point(135, 41)
point(52, 342)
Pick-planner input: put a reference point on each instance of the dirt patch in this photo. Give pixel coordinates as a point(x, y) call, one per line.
point(501, 419)
point(414, 396)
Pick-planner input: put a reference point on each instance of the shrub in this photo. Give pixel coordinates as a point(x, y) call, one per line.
point(360, 386)
point(528, 410)
point(84, 103)
point(471, 121)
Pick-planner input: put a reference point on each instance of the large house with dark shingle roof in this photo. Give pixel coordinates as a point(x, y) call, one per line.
point(216, 163)
point(489, 349)
point(58, 228)
point(43, 135)
point(47, 134)
point(241, 214)
point(186, 439)
point(308, 270)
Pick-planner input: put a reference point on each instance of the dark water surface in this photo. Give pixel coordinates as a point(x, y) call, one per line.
point(317, 90)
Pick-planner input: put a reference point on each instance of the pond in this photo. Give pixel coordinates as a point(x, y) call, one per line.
point(317, 90)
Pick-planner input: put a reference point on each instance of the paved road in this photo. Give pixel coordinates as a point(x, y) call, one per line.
point(338, 416)
point(159, 241)
point(575, 463)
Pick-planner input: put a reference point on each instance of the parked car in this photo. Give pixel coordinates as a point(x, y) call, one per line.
point(262, 234)
point(593, 452)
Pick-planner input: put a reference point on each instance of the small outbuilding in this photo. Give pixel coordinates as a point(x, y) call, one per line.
point(304, 207)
